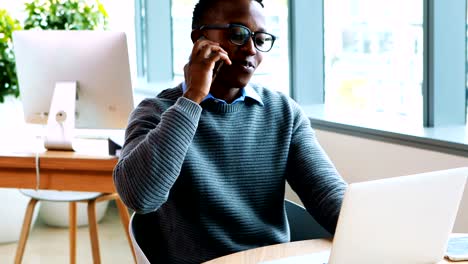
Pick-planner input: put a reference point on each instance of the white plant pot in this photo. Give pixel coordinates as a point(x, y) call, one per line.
point(56, 213)
point(12, 211)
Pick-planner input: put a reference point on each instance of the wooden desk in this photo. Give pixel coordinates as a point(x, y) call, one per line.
point(274, 252)
point(279, 251)
point(88, 169)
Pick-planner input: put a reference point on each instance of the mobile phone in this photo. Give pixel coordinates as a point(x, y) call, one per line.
point(216, 69)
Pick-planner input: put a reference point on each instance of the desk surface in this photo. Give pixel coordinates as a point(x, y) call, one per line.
point(279, 251)
point(88, 169)
point(274, 252)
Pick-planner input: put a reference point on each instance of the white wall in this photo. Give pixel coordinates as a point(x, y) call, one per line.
point(359, 159)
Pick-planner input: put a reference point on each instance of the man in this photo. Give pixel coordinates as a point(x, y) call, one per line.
point(207, 161)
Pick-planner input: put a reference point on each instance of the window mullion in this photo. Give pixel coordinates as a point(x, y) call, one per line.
point(157, 45)
point(444, 62)
point(139, 40)
point(306, 51)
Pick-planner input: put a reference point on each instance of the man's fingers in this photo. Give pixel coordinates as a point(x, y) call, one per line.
point(214, 54)
point(225, 58)
point(201, 43)
point(209, 51)
point(205, 52)
point(219, 56)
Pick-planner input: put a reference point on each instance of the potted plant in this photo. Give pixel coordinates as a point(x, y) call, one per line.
point(8, 79)
point(66, 15)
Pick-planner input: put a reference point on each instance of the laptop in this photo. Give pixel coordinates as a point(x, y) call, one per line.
point(404, 220)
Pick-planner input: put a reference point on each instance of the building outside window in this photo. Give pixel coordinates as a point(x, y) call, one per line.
point(374, 57)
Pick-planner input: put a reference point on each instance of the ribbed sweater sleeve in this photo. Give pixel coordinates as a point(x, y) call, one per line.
point(312, 175)
point(156, 143)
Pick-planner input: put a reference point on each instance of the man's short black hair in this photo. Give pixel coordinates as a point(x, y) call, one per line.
point(202, 7)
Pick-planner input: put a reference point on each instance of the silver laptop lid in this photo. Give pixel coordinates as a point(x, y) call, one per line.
point(398, 220)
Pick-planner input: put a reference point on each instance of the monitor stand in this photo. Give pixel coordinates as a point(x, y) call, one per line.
point(61, 118)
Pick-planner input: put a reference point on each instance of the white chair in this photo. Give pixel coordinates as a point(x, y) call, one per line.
point(72, 197)
point(138, 252)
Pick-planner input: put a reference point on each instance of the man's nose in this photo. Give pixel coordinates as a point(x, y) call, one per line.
point(249, 47)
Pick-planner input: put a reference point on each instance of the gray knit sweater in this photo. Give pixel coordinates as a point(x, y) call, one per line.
point(211, 177)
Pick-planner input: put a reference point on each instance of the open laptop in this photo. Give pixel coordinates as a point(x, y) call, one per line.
point(404, 220)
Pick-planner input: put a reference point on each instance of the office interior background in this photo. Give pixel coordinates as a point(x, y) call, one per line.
point(384, 82)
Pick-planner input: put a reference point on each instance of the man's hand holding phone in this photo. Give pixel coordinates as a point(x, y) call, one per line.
point(200, 71)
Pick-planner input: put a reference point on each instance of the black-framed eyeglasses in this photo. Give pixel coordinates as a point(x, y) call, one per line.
point(239, 35)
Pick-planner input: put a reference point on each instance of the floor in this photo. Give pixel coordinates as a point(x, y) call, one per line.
point(50, 244)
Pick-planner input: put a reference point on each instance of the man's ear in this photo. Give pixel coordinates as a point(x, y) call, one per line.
point(196, 35)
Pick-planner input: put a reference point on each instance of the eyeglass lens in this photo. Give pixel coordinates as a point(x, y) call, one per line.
point(262, 41)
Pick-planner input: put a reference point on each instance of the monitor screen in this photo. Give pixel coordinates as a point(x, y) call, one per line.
point(96, 60)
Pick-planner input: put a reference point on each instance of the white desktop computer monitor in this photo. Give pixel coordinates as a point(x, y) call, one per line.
point(73, 78)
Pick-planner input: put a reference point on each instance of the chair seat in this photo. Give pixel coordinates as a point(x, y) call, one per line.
point(59, 196)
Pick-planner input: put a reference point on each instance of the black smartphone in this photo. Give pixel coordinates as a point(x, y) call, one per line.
point(216, 69)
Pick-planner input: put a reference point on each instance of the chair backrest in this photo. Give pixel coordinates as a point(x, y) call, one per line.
point(133, 228)
point(302, 225)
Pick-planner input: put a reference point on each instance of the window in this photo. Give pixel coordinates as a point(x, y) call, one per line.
point(122, 18)
point(435, 34)
point(275, 62)
point(374, 57)
point(181, 13)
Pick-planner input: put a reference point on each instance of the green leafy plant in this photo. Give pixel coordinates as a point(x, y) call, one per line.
point(8, 79)
point(44, 14)
point(66, 15)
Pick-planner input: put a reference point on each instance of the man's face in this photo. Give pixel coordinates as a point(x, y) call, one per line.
point(245, 58)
